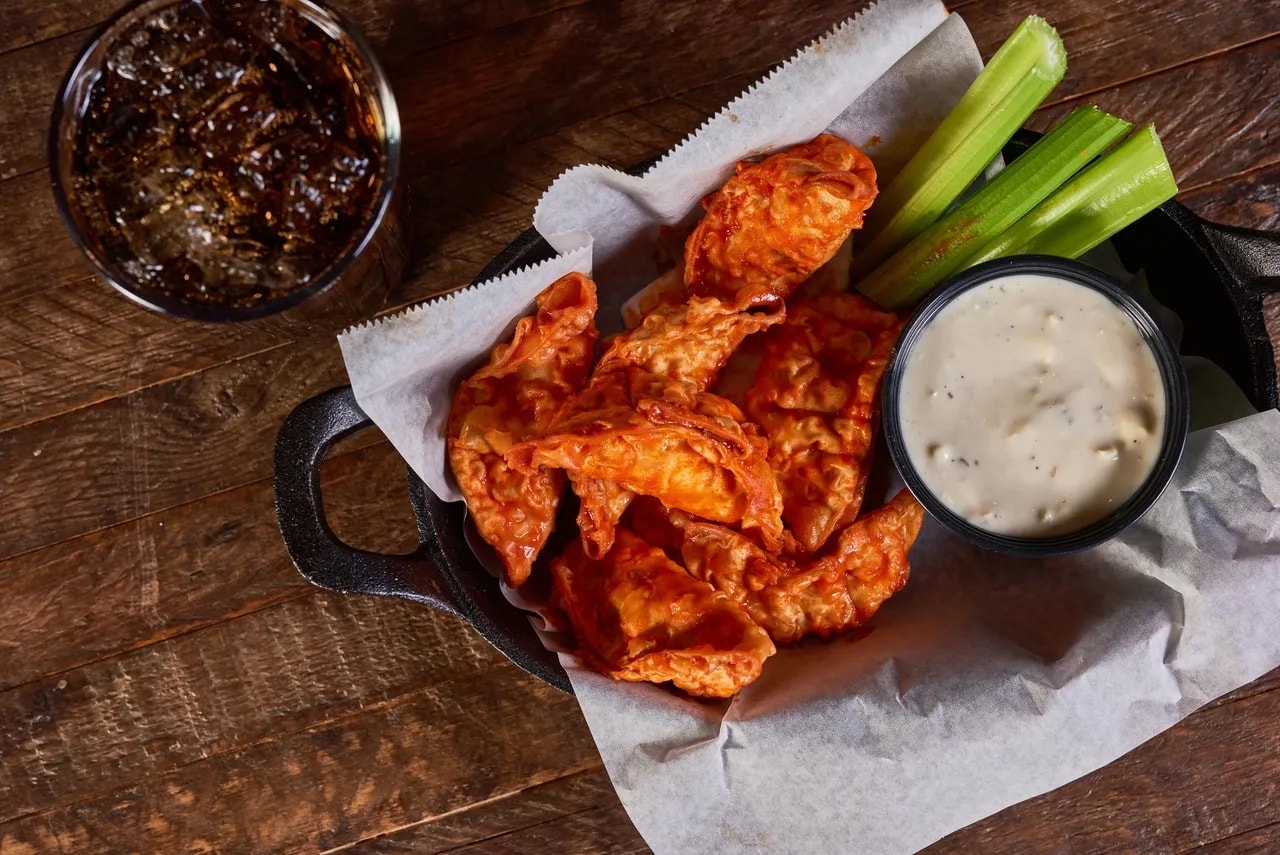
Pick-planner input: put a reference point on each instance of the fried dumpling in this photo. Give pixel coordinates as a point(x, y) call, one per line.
point(814, 596)
point(513, 398)
point(639, 616)
point(687, 343)
point(694, 451)
point(815, 395)
point(776, 221)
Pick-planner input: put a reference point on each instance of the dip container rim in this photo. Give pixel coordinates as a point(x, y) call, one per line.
point(73, 96)
point(1173, 381)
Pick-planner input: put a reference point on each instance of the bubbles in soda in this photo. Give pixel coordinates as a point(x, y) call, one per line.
point(229, 152)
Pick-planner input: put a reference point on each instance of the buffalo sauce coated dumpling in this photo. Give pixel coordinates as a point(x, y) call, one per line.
point(688, 341)
point(513, 398)
point(639, 616)
point(776, 221)
point(792, 598)
point(654, 436)
point(815, 396)
point(678, 346)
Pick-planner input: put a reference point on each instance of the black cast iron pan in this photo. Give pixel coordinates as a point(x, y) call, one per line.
point(1213, 276)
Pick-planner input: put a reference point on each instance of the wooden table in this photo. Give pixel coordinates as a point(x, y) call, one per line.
point(169, 683)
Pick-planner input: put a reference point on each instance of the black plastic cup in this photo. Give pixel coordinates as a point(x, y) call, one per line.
point(358, 277)
point(1172, 375)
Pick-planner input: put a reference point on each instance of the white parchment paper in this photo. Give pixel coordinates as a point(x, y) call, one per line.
point(988, 680)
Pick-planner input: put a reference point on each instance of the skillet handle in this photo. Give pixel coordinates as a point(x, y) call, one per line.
point(1247, 262)
point(1252, 255)
point(305, 438)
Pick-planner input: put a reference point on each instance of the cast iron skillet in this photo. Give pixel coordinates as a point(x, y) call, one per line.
point(1213, 276)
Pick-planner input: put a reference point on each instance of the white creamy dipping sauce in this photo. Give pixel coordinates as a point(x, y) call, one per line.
point(1032, 406)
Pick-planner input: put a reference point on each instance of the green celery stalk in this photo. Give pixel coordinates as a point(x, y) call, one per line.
point(944, 248)
point(1018, 78)
point(1125, 184)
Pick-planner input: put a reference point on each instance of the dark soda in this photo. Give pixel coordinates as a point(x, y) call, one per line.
point(230, 152)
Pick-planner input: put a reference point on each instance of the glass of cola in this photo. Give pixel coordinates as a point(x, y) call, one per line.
point(225, 160)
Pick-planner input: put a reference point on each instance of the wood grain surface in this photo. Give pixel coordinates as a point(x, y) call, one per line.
point(170, 683)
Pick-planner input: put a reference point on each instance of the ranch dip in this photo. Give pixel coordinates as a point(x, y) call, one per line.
point(1032, 406)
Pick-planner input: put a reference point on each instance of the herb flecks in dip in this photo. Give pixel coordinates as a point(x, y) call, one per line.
point(1032, 406)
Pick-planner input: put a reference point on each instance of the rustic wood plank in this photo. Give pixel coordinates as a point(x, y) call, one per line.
point(298, 665)
point(398, 29)
point(576, 813)
point(25, 23)
point(1266, 683)
point(1249, 200)
point(1215, 775)
point(67, 348)
point(1108, 43)
point(48, 258)
point(1260, 841)
point(29, 82)
point(598, 831)
point(1213, 116)
point(160, 447)
point(481, 735)
point(387, 25)
point(151, 579)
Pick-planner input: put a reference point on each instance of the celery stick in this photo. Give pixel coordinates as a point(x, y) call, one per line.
point(944, 248)
point(1125, 184)
point(1018, 78)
